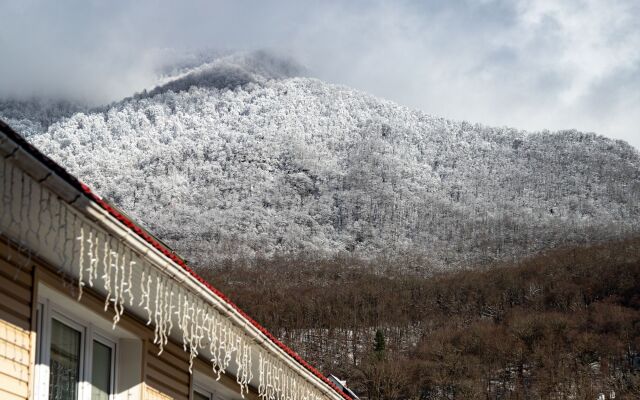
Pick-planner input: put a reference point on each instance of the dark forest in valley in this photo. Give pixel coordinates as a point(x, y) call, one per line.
point(561, 324)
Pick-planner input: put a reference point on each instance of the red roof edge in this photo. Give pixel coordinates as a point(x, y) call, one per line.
point(77, 184)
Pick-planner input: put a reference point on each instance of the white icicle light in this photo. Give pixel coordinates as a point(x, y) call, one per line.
point(129, 283)
point(81, 263)
point(81, 247)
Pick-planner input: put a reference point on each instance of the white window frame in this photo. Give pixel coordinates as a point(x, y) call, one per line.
point(98, 336)
point(48, 310)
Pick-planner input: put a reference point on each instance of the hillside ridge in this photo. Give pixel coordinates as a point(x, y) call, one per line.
point(229, 161)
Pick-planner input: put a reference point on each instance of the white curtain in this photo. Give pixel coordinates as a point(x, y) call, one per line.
point(64, 367)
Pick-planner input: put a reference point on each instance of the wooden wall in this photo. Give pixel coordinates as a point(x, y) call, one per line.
point(17, 339)
point(168, 374)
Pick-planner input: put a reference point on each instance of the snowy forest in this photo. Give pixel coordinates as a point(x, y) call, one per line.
point(424, 258)
point(243, 159)
point(559, 325)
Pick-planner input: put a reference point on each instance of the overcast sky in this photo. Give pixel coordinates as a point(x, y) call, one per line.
point(527, 64)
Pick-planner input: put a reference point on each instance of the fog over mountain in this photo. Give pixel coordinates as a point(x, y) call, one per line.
point(244, 157)
point(529, 64)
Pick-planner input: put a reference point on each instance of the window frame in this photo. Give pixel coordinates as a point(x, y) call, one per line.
point(203, 391)
point(48, 310)
point(97, 336)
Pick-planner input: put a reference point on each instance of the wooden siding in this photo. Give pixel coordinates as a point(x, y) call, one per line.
point(167, 373)
point(152, 394)
point(17, 338)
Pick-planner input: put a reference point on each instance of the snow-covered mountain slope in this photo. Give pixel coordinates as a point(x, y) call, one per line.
point(230, 161)
point(35, 115)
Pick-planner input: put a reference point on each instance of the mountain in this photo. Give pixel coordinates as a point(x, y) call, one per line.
point(34, 115)
point(244, 158)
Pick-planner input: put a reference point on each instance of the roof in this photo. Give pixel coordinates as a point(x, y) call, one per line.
point(155, 243)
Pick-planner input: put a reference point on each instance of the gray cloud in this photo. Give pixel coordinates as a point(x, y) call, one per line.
point(528, 64)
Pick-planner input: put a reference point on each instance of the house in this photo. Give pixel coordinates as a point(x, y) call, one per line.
point(92, 306)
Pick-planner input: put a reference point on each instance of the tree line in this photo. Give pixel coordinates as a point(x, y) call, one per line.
point(564, 324)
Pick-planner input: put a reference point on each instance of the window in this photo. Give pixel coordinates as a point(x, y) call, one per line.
point(76, 360)
point(200, 394)
point(65, 357)
point(101, 371)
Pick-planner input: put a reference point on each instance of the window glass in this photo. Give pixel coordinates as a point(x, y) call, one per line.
point(101, 372)
point(64, 367)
